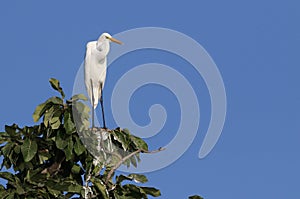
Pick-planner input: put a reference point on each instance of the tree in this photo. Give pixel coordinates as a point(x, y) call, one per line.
point(51, 159)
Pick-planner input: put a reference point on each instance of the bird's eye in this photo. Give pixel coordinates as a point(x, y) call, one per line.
point(106, 37)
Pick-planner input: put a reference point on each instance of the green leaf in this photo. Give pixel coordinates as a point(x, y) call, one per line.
point(78, 146)
point(56, 85)
point(6, 163)
point(76, 169)
point(54, 192)
point(4, 137)
point(81, 116)
point(122, 138)
point(121, 178)
point(28, 130)
point(7, 149)
point(17, 149)
point(55, 100)
point(10, 130)
point(35, 177)
point(7, 176)
point(137, 156)
point(68, 186)
point(58, 187)
point(101, 187)
point(127, 163)
point(126, 131)
point(11, 196)
point(55, 120)
point(195, 197)
point(60, 141)
point(133, 161)
point(19, 186)
point(40, 110)
point(48, 115)
point(151, 191)
point(138, 178)
point(82, 109)
point(74, 188)
point(134, 191)
point(117, 196)
point(77, 97)
point(139, 143)
point(3, 192)
point(69, 149)
point(68, 123)
point(29, 149)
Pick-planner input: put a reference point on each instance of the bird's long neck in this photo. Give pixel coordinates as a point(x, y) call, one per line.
point(103, 48)
point(102, 44)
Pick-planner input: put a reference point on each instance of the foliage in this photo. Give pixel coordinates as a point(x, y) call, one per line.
point(195, 197)
point(51, 159)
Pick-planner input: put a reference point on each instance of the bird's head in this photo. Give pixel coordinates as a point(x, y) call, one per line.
point(106, 36)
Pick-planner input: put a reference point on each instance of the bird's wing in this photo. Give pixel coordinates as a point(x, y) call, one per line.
point(89, 46)
point(88, 66)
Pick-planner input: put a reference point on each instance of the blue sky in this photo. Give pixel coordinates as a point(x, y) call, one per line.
point(254, 44)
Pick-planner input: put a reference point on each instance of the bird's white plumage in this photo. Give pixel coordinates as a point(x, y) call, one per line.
point(95, 65)
point(95, 71)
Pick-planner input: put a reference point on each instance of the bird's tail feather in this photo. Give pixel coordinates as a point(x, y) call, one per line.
point(95, 92)
point(96, 96)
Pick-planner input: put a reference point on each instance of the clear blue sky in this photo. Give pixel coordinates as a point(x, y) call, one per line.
point(255, 45)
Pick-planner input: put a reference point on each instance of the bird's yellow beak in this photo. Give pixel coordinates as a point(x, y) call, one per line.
point(115, 40)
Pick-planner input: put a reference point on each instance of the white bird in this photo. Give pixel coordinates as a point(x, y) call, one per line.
point(95, 65)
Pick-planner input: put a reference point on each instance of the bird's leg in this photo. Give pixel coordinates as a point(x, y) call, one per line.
point(102, 107)
point(93, 102)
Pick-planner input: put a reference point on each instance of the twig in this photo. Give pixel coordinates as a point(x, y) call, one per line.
point(87, 189)
point(154, 151)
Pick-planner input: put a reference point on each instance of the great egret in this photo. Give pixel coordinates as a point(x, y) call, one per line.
point(95, 70)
